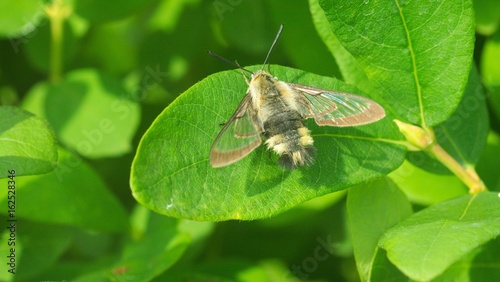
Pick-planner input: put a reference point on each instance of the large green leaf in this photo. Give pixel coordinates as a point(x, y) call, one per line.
point(464, 134)
point(90, 112)
point(417, 53)
point(460, 270)
point(73, 194)
point(427, 243)
point(27, 143)
point(171, 173)
point(20, 17)
point(426, 188)
point(298, 26)
point(352, 71)
point(373, 209)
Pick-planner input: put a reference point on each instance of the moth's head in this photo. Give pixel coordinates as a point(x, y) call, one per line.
point(262, 83)
point(262, 77)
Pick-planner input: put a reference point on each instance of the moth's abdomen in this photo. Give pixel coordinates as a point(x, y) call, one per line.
point(287, 136)
point(302, 157)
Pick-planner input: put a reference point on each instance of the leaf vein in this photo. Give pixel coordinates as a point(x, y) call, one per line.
point(414, 63)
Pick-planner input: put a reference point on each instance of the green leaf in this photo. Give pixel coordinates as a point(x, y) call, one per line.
point(147, 255)
point(352, 71)
point(37, 247)
point(8, 96)
point(425, 188)
point(20, 17)
point(372, 209)
point(481, 264)
point(427, 243)
point(167, 13)
point(487, 165)
point(460, 270)
point(72, 194)
point(171, 173)
point(383, 270)
point(486, 264)
point(490, 70)
point(298, 26)
point(89, 111)
point(102, 11)
point(27, 143)
point(416, 53)
point(232, 269)
point(464, 134)
point(110, 48)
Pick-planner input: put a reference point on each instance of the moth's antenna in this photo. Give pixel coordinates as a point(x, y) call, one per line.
point(272, 46)
point(227, 61)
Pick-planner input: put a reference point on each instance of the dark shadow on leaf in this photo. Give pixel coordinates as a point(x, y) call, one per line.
point(340, 163)
point(62, 102)
point(15, 116)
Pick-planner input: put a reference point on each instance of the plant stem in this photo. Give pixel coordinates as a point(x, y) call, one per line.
point(466, 174)
point(423, 138)
point(57, 13)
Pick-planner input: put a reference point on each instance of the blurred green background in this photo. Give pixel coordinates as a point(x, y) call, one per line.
point(124, 62)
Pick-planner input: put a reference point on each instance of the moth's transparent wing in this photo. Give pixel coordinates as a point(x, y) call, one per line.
point(336, 108)
point(239, 137)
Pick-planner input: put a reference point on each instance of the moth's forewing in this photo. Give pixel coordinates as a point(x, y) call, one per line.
point(247, 125)
point(352, 110)
point(315, 106)
point(336, 108)
point(239, 137)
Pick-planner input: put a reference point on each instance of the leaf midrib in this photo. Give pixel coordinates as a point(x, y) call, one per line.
point(414, 64)
point(372, 139)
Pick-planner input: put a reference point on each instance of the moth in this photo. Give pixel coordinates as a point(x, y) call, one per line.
point(275, 111)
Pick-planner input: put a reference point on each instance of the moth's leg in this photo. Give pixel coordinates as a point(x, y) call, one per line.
point(241, 70)
point(268, 68)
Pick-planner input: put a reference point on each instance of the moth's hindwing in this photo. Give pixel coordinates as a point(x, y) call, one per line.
point(333, 108)
point(239, 136)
